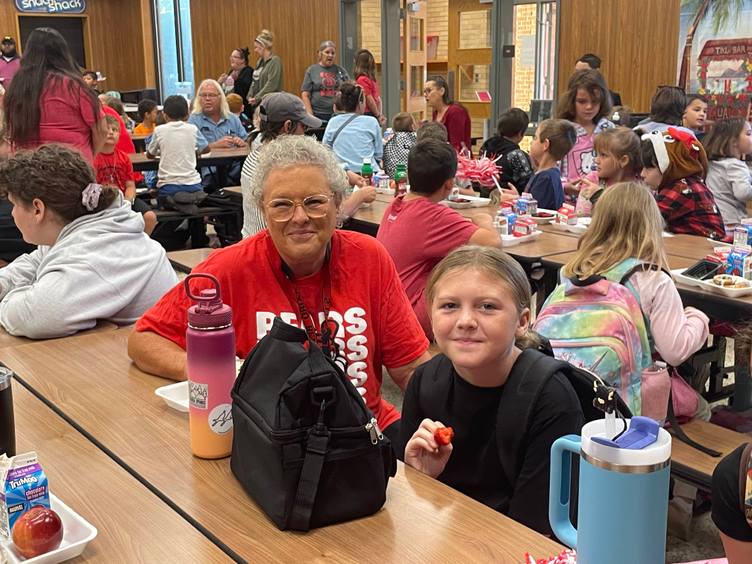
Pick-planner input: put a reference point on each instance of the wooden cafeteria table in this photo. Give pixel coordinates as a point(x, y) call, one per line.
point(133, 524)
point(8, 340)
point(186, 260)
point(216, 158)
point(96, 385)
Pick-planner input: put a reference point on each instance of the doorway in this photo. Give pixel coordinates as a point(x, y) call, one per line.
point(72, 30)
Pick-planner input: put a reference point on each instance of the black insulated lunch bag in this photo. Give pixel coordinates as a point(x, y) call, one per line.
point(305, 446)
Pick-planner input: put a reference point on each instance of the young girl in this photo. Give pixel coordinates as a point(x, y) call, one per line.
point(617, 159)
point(728, 176)
point(627, 228)
point(479, 302)
point(695, 113)
point(399, 144)
point(586, 103)
point(94, 260)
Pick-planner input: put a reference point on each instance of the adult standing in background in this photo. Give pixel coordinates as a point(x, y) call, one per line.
point(452, 115)
point(365, 75)
point(591, 61)
point(10, 62)
point(48, 102)
point(267, 77)
point(322, 82)
point(239, 77)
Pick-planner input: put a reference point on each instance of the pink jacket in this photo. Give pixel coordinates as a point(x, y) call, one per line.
point(8, 69)
point(677, 332)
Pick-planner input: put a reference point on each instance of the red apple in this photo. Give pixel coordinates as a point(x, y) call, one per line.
point(37, 531)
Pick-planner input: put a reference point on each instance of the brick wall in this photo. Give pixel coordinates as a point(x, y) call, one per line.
point(370, 27)
point(438, 24)
point(523, 77)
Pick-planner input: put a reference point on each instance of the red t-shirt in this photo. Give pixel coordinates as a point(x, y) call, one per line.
point(457, 121)
point(66, 117)
point(114, 168)
point(376, 325)
point(370, 87)
point(418, 234)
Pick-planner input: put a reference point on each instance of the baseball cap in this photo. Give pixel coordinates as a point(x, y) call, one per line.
point(8, 40)
point(281, 106)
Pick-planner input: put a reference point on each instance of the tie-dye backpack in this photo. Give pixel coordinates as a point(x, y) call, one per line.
point(597, 324)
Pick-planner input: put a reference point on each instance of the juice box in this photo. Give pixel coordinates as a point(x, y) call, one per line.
point(739, 261)
point(23, 484)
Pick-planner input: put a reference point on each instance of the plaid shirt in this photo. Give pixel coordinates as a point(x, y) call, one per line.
point(688, 206)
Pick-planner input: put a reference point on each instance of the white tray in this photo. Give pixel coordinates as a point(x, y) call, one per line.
point(77, 533)
point(544, 220)
point(678, 275)
point(579, 229)
point(176, 395)
point(511, 240)
point(472, 202)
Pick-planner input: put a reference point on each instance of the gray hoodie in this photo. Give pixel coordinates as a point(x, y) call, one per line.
point(102, 266)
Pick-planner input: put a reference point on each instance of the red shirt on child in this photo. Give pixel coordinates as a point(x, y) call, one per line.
point(418, 234)
point(376, 325)
point(114, 169)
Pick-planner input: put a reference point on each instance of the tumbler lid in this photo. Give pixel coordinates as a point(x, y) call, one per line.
point(6, 374)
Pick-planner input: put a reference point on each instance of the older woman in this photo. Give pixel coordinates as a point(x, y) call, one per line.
point(352, 135)
point(452, 115)
point(239, 77)
point(321, 83)
point(220, 127)
point(291, 266)
point(267, 77)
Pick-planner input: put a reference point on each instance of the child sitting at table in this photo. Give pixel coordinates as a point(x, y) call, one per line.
point(93, 261)
point(399, 144)
point(479, 304)
point(674, 166)
point(553, 139)
point(177, 142)
point(624, 244)
point(114, 168)
point(728, 175)
point(695, 113)
point(235, 103)
point(148, 111)
point(514, 162)
point(617, 159)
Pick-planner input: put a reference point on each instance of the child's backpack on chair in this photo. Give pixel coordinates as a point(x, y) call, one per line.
point(597, 324)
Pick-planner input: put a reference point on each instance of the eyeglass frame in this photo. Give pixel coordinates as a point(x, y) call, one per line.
point(295, 204)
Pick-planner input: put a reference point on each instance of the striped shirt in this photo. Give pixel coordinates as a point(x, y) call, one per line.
point(253, 219)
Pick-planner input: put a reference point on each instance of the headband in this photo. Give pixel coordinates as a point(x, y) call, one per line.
point(263, 41)
point(659, 146)
point(90, 196)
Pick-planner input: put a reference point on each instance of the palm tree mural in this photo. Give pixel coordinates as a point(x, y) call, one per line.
point(721, 11)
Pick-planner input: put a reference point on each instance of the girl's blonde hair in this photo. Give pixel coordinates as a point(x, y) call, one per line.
point(224, 108)
point(626, 224)
point(495, 264)
point(621, 142)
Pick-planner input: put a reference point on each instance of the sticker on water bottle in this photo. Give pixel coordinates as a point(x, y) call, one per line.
point(220, 419)
point(198, 395)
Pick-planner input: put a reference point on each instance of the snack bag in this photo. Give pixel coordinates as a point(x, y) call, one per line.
point(23, 484)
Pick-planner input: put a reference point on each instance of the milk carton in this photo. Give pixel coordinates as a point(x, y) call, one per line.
point(23, 484)
point(743, 235)
point(524, 226)
point(566, 215)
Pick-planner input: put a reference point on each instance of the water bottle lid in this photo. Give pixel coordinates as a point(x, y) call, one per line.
point(209, 312)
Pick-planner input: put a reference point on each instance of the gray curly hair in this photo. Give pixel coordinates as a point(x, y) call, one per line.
point(298, 150)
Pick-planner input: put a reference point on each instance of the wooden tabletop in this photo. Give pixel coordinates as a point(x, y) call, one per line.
point(133, 524)
point(689, 246)
point(695, 466)
point(186, 260)
point(8, 340)
point(423, 520)
point(215, 157)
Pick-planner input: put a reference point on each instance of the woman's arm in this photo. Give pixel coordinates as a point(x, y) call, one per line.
point(130, 191)
point(741, 182)
point(98, 135)
point(306, 97)
point(21, 272)
point(154, 354)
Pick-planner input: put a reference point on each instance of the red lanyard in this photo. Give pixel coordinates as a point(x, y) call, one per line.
point(323, 336)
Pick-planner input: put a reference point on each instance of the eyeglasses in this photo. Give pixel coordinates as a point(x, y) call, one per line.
point(282, 209)
point(428, 90)
point(208, 95)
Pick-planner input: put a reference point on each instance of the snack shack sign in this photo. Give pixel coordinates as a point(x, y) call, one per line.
point(52, 6)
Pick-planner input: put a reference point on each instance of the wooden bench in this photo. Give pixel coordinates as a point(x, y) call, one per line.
point(689, 464)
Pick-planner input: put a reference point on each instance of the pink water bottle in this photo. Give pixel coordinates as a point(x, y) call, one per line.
point(210, 344)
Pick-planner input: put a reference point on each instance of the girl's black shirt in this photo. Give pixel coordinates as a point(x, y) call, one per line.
point(474, 467)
